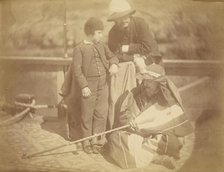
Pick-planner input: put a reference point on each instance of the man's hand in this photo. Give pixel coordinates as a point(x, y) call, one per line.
point(133, 125)
point(113, 69)
point(140, 63)
point(86, 92)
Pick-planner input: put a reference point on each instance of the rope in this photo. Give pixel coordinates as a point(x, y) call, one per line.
point(18, 116)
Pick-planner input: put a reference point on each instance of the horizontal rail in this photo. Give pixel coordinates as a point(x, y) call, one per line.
point(177, 66)
point(193, 63)
point(67, 61)
point(35, 60)
point(194, 67)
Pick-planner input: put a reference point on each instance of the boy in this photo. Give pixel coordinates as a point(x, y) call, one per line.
point(92, 61)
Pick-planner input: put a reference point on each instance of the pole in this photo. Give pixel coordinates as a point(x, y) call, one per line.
point(24, 156)
point(65, 32)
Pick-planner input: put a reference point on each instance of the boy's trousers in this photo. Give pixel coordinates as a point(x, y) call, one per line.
point(95, 108)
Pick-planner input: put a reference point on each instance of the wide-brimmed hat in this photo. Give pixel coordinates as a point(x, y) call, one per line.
point(118, 9)
point(152, 72)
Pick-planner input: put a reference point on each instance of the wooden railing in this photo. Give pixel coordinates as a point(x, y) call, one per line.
point(19, 70)
point(173, 67)
point(59, 61)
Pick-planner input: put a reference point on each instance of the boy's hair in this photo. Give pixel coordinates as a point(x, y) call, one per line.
point(93, 24)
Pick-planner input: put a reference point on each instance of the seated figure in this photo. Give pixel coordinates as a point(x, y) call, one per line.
point(157, 121)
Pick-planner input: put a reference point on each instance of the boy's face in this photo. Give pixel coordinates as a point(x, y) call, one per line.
point(97, 36)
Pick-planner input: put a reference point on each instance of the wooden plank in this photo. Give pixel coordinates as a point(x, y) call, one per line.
point(173, 67)
point(193, 63)
point(35, 60)
point(194, 84)
point(194, 67)
point(65, 61)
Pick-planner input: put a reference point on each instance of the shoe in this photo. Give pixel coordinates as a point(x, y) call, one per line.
point(79, 147)
point(88, 149)
point(102, 141)
point(95, 149)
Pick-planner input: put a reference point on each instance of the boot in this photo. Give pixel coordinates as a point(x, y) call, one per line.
point(87, 147)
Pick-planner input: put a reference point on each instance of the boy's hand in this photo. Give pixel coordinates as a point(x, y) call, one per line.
point(113, 69)
point(86, 92)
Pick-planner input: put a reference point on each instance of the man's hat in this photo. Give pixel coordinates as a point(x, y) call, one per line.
point(118, 9)
point(153, 72)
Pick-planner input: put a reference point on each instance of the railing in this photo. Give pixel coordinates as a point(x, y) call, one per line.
point(173, 67)
point(40, 66)
point(59, 61)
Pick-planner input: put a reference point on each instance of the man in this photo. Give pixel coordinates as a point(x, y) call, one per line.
point(131, 41)
point(130, 36)
point(158, 123)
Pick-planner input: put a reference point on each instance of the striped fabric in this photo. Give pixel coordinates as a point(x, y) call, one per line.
point(157, 119)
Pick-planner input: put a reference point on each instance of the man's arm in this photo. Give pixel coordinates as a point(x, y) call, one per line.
point(113, 61)
point(126, 104)
point(145, 39)
point(146, 44)
point(111, 57)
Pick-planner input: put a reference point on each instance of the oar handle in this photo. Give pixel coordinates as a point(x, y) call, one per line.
point(24, 156)
point(100, 134)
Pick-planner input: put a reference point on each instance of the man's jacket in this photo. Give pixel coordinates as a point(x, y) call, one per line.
point(137, 36)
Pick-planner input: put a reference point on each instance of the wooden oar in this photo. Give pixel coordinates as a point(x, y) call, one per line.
point(24, 156)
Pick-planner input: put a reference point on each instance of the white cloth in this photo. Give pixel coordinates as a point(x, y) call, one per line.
point(142, 156)
point(124, 80)
point(157, 115)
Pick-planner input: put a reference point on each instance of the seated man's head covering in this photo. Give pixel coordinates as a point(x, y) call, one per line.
point(151, 72)
point(119, 9)
point(155, 82)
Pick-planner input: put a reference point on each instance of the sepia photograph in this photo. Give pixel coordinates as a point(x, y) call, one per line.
point(111, 85)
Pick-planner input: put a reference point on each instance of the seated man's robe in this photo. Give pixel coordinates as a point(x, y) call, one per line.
point(161, 123)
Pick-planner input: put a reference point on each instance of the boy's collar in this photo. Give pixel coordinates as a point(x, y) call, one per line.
point(87, 42)
point(90, 42)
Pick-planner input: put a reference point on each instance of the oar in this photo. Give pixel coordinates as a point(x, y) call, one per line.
point(24, 156)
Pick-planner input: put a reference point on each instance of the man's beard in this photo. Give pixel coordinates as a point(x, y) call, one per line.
point(149, 97)
point(123, 25)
